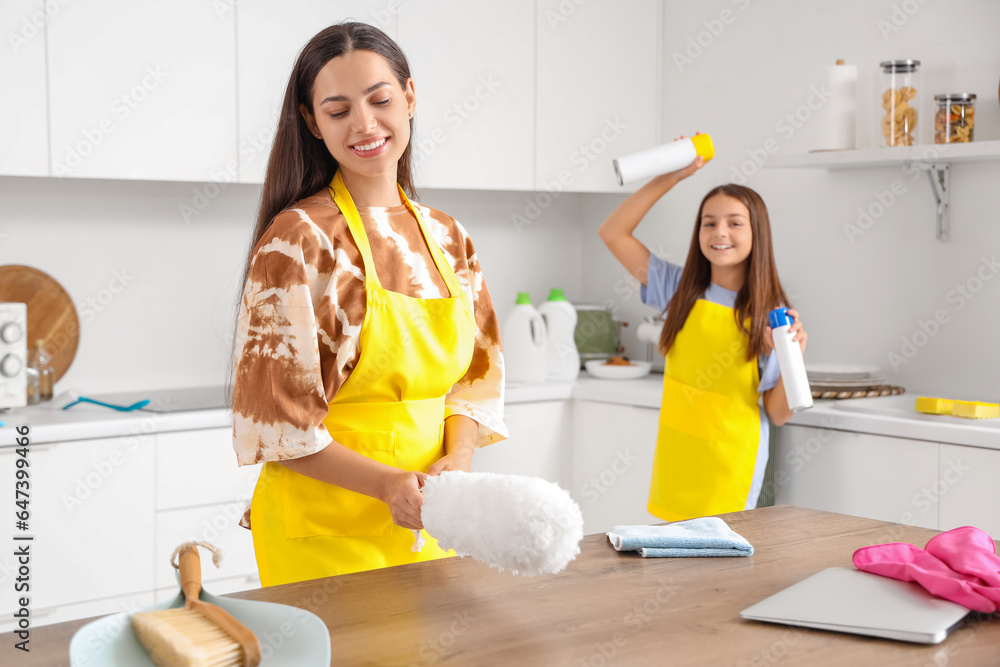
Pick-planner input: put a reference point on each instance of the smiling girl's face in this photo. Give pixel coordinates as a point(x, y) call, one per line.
point(724, 234)
point(362, 113)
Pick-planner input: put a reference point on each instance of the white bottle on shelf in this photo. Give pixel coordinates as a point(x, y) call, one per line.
point(562, 359)
point(523, 338)
point(793, 369)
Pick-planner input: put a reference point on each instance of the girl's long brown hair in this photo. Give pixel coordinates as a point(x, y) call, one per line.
point(761, 290)
point(300, 164)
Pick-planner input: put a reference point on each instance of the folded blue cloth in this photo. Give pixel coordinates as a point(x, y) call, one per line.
point(705, 536)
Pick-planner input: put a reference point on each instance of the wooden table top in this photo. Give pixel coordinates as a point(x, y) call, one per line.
point(606, 608)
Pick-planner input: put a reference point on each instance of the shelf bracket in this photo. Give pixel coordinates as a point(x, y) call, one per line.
point(939, 175)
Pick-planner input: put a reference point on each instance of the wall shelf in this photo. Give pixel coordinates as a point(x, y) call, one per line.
point(935, 159)
point(973, 151)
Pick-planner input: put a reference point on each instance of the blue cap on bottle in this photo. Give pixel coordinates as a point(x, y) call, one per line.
point(779, 317)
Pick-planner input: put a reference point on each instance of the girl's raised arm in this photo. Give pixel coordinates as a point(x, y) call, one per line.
point(616, 231)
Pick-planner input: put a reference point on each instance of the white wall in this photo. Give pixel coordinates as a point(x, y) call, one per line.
point(858, 299)
point(167, 321)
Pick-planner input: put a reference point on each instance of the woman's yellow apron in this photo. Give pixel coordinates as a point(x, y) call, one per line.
point(709, 421)
point(391, 409)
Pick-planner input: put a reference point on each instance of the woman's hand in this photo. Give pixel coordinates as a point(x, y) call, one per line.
point(456, 460)
point(796, 328)
point(401, 492)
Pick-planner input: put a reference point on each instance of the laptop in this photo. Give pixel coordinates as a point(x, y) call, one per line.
point(848, 600)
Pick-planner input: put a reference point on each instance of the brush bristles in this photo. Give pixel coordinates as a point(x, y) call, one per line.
point(182, 637)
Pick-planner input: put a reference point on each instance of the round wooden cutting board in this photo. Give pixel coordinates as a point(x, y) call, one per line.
point(51, 313)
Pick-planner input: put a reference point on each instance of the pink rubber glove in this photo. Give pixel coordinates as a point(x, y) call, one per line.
point(906, 562)
point(968, 550)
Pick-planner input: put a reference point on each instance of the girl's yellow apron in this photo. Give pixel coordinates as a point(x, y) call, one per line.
point(390, 408)
point(709, 423)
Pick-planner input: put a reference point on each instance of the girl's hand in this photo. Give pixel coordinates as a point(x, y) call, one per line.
point(796, 328)
point(456, 460)
point(681, 174)
point(402, 494)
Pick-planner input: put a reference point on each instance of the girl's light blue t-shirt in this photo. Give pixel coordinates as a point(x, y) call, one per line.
point(662, 281)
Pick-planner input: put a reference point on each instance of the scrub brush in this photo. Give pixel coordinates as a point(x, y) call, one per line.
point(199, 634)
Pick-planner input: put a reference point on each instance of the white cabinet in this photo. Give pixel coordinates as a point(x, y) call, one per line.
point(92, 518)
point(195, 468)
point(142, 90)
point(537, 447)
point(24, 139)
point(598, 89)
point(612, 463)
point(474, 76)
point(860, 474)
point(216, 524)
point(270, 36)
point(968, 488)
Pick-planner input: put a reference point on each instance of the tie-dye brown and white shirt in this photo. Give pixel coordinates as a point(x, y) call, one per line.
point(297, 338)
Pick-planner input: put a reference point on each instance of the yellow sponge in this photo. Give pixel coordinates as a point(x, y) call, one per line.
point(975, 410)
point(934, 406)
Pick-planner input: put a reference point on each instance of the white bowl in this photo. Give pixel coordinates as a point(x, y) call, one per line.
point(634, 370)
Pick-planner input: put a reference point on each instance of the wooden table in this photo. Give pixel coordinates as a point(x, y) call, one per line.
point(606, 608)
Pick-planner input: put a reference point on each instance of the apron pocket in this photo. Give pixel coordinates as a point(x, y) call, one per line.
point(315, 508)
point(698, 413)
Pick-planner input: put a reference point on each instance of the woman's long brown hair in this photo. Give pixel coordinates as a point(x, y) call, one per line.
point(761, 291)
point(300, 164)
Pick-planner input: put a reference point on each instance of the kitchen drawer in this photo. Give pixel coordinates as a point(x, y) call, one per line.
point(215, 524)
point(91, 516)
point(219, 587)
point(72, 612)
point(968, 489)
point(195, 468)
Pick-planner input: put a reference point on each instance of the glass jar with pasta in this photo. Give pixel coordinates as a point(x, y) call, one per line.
point(955, 118)
point(898, 115)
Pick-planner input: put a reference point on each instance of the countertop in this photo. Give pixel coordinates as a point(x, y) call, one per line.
point(606, 607)
point(890, 416)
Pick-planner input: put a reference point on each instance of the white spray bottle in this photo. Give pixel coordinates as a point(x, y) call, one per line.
point(663, 159)
point(793, 368)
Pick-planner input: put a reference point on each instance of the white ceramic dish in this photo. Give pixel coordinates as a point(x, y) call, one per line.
point(633, 371)
point(840, 372)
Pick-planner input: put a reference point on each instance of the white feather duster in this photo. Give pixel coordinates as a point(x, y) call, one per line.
point(522, 524)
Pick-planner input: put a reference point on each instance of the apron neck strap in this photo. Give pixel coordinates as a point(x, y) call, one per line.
point(345, 203)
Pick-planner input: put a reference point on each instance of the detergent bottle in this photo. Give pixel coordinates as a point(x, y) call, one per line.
point(790, 362)
point(562, 360)
point(663, 159)
point(524, 337)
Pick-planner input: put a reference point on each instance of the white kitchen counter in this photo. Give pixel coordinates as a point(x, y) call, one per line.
point(891, 416)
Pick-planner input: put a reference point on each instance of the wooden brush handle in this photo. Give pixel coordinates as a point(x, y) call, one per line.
point(190, 569)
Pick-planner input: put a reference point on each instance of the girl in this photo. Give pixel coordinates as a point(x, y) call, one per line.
point(367, 351)
point(712, 444)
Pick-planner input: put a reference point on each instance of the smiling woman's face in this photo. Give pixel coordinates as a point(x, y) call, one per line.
point(362, 113)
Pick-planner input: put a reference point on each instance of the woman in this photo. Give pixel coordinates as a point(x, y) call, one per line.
point(367, 348)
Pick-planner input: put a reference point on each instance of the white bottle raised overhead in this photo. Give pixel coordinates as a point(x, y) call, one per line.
point(523, 338)
point(663, 159)
point(793, 369)
point(562, 359)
